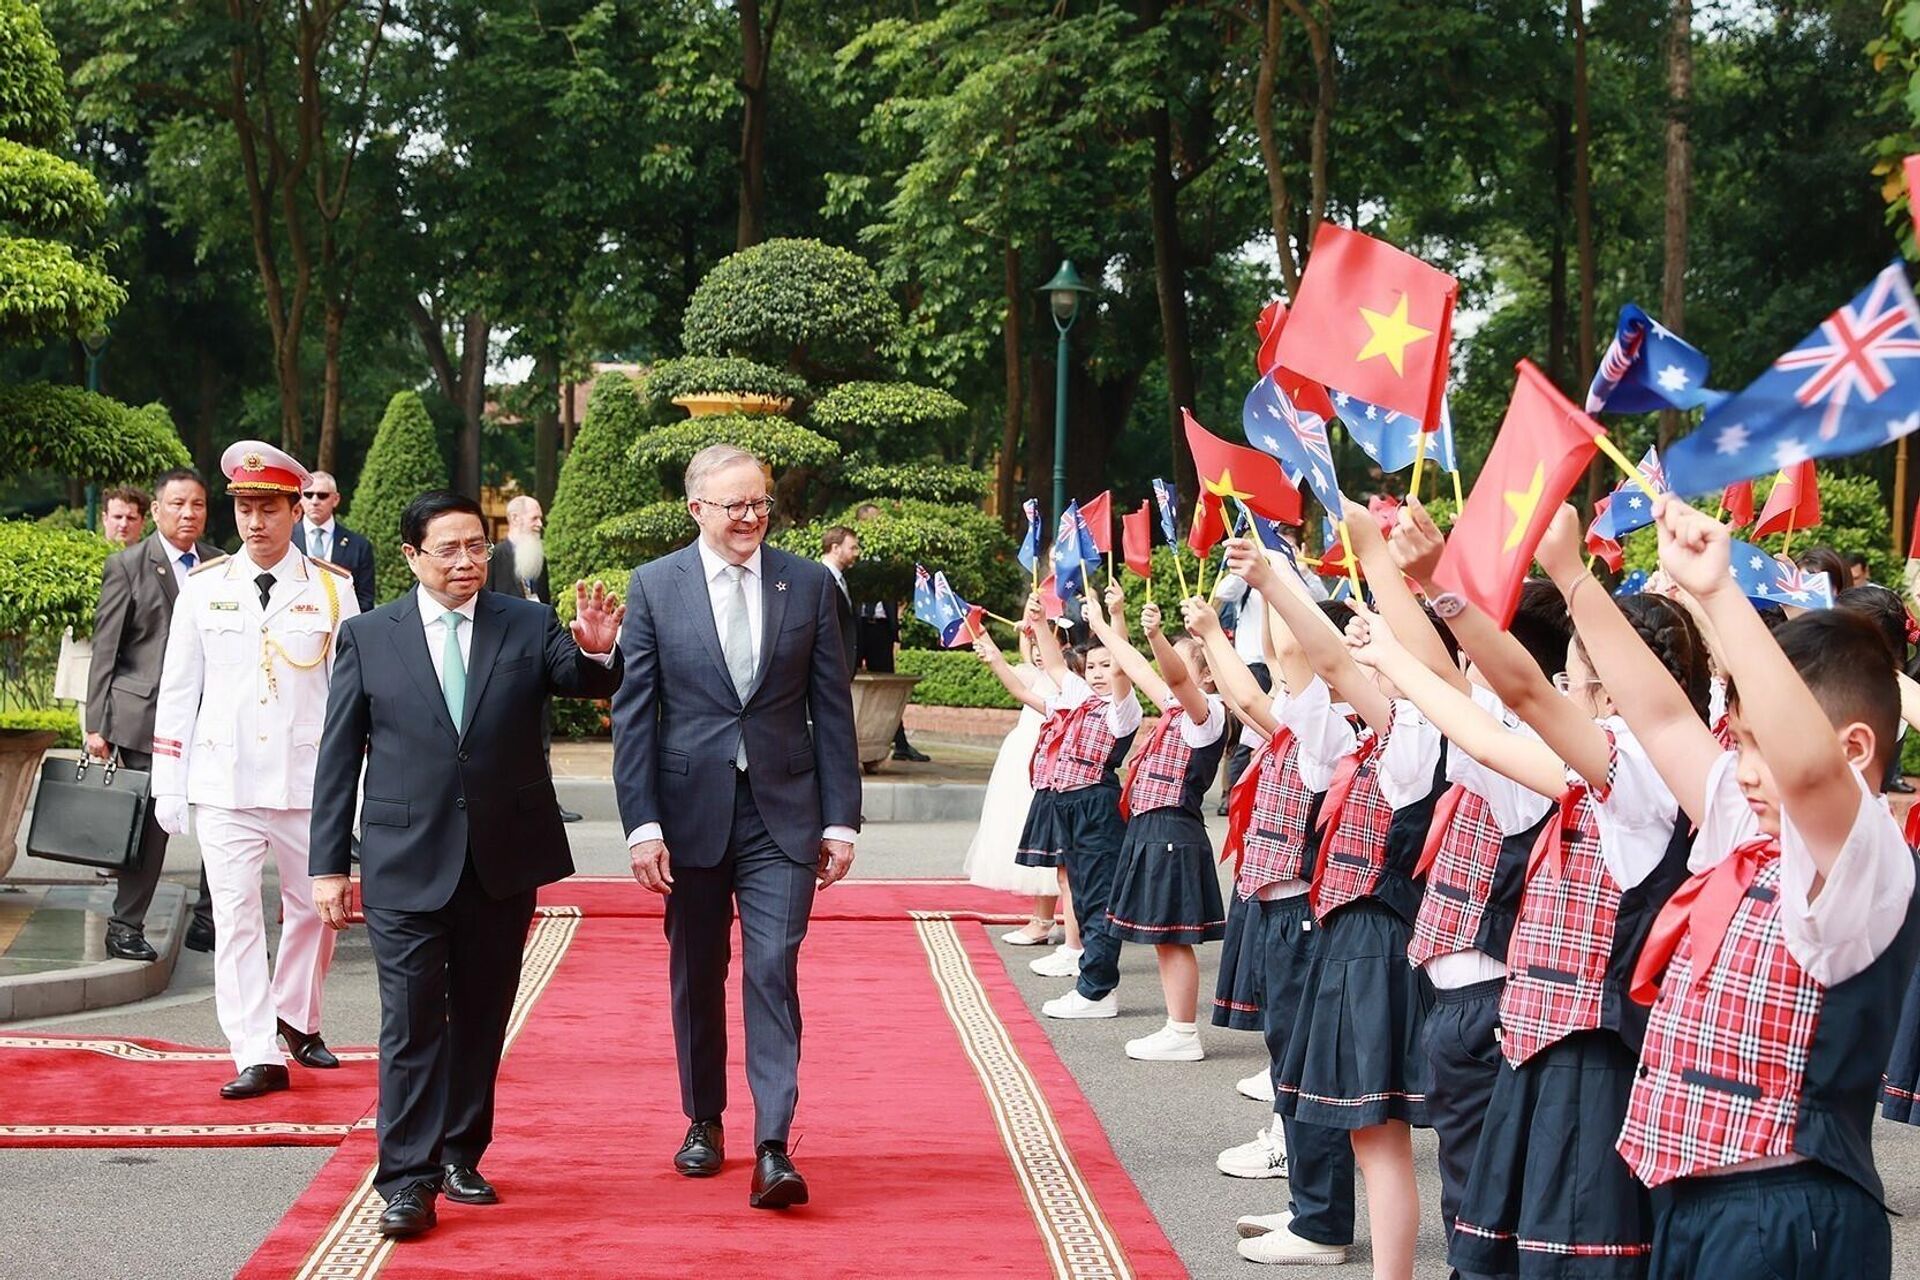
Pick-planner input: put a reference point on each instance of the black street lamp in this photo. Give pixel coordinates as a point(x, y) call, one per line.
point(1063, 297)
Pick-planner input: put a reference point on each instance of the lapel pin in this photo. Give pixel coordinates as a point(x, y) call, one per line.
point(779, 586)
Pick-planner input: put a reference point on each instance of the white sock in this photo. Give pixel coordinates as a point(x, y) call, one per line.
point(1183, 1028)
point(1279, 1130)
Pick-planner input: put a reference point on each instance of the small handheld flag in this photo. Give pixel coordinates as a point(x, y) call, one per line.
point(1648, 367)
point(960, 622)
point(1136, 539)
point(1298, 439)
point(1235, 471)
point(1601, 541)
point(1068, 567)
point(1168, 503)
point(1794, 503)
point(1766, 579)
point(1096, 516)
point(1030, 546)
point(1629, 506)
point(1737, 501)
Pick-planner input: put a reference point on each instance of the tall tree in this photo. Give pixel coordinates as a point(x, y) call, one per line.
point(1673, 277)
point(756, 56)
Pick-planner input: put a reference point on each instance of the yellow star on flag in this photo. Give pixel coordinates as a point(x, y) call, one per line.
point(1524, 504)
point(1392, 334)
point(1223, 487)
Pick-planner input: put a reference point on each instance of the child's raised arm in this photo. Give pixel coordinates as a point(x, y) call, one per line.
point(989, 653)
point(1316, 634)
point(1130, 666)
point(1642, 689)
point(1394, 602)
point(1052, 661)
point(1231, 675)
point(1181, 685)
point(1509, 669)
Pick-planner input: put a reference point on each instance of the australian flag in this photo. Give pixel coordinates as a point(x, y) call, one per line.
point(1030, 546)
point(960, 622)
point(1392, 439)
point(1168, 504)
point(1766, 579)
point(1295, 436)
point(1068, 571)
point(1647, 367)
point(1630, 508)
point(1851, 385)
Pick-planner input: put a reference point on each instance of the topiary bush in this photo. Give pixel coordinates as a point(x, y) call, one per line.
point(890, 420)
point(636, 536)
point(88, 437)
point(798, 305)
point(693, 375)
point(64, 721)
point(966, 543)
point(49, 580)
point(404, 462)
point(596, 480)
point(928, 481)
point(781, 444)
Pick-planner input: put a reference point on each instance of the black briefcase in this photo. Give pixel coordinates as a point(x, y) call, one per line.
point(90, 813)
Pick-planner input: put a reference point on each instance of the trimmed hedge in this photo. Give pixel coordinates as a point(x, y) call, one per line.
point(596, 480)
point(42, 193)
point(403, 463)
point(929, 481)
point(894, 419)
point(633, 537)
point(966, 543)
point(85, 436)
point(690, 375)
point(954, 678)
point(64, 721)
point(49, 579)
point(33, 95)
point(780, 443)
point(793, 304)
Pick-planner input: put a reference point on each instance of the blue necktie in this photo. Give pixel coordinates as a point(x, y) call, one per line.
point(453, 670)
point(186, 560)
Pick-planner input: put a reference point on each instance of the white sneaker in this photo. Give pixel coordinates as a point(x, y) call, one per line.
point(1167, 1045)
point(1281, 1247)
point(1258, 1224)
point(1258, 1086)
point(1075, 1005)
point(1264, 1157)
point(1061, 962)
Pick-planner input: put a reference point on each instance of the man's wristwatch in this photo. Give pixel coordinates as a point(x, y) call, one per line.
point(1448, 605)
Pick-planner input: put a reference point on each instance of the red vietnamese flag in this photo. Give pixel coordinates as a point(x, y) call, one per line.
point(1793, 504)
point(1911, 167)
point(1333, 561)
point(1304, 392)
point(1543, 449)
point(1239, 471)
point(1098, 515)
point(1738, 500)
point(1136, 539)
point(1374, 322)
point(1599, 544)
point(1209, 524)
point(1050, 602)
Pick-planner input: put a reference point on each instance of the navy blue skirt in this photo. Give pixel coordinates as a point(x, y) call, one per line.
point(1167, 890)
point(1548, 1195)
point(1900, 1095)
point(1236, 990)
point(1355, 1057)
point(1058, 821)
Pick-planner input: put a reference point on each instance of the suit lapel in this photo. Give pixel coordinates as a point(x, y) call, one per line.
point(488, 629)
point(774, 590)
point(161, 565)
point(699, 605)
point(410, 639)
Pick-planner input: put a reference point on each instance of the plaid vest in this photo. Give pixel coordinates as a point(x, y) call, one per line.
point(1078, 749)
point(1169, 774)
point(1577, 934)
point(1474, 876)
point(1368, 849)
point(1283, 814)
point(1751, 1057)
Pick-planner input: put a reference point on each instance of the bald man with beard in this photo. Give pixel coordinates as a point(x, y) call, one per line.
point(519, 568)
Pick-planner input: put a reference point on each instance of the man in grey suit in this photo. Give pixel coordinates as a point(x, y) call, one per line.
point(731, 649)
point(137, 589)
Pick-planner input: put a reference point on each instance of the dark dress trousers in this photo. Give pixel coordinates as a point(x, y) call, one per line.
point(130, 624)
point(351, 552)
point(877, 631)
point(677, 724)
point(460, 829)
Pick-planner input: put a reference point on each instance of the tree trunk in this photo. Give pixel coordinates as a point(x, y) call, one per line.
point(1558, 363)
point(1583, 213)
point(1673, 291)
point(1170, 282)
point(336, 324)
point(1317, 16)
point(1010, 421)
point(472, 400)
point(1279, 200)
point(756, 52)
point(546, 425)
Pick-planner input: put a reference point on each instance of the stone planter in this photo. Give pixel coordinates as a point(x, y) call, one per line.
point(699, 406)
point(20, 754)
point(879, 701)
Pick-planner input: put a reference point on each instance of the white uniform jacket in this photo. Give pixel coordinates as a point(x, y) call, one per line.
point(243, 690)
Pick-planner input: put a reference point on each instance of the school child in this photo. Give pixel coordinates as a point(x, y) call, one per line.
point(1074, 822)
point(1544, 1197)
point(1352, 1060)
point(990, 861)
point(1772, 970)
point(1165, 891)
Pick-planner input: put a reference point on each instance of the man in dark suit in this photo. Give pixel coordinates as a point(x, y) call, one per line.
point(441, 692)
point(130, 624)
point(732, 648)
point(319, 535)
point(840, 551)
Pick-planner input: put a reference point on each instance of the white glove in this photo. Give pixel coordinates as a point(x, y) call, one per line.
point(171, 813)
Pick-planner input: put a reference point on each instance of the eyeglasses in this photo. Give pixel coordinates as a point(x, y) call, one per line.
point(317, 493)
point(1564, 683)
point(454, 552)
point(737, 511)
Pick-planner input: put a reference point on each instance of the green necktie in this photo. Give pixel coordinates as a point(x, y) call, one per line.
point(453, 669)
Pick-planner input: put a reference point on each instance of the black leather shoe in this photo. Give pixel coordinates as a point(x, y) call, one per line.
point(130, 944)
point(704, 1150)
point(776, 1183)
point(1901, 785)
point(410, 1213)
point(568, 815)
point(256, 1082)
point(462, 1183)
point(308, 1049)
point(911, 753)
point(199, 937)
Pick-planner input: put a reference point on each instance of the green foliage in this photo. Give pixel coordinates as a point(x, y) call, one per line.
point(690, 375)
point(33, 104)
point(49, 579)
point(64, 721)
point(893, 420)
point(794, 304)
point(931, 481)
point(576, 719)
point(779, 442)
point(596, 481)
point(644, 534)
point(70, 432)
point(48, 290)
point(954, 678)
point(40, 192)
point(966, 543)
point(404, 462)
point(614, 580)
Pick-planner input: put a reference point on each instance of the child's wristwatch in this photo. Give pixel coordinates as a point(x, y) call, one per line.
point(1448, 605)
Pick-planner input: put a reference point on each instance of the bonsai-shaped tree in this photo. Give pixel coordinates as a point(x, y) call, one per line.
point(403, 462)
point(800, 321)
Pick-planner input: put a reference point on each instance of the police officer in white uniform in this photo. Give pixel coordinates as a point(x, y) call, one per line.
point(243, 694)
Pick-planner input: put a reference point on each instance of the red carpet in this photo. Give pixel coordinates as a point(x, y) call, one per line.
point(83, 1091)
point(938, 1130)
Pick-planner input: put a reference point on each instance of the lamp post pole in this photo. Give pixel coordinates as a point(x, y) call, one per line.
point(1063, 298)
point(95, 345)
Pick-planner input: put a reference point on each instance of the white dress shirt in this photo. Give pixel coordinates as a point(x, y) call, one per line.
point(719, 591)
point(433, 618)
point(180, 571)
point(320, 540)
point(840, 580)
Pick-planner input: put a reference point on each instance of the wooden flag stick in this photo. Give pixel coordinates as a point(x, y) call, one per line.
point(1353, 566)
point(1179, 569)
point(1109, 566)
point(997, 618)
point(1633, 473)
point(1786, 547)
point(1459, 500)
point(1419, 465)
point(1200, 583)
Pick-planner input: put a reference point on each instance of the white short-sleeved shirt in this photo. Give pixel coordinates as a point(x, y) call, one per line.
point(1322, 731)
point(1513, 807)
point(1864, 900)
point(1123, 715)
point(1207, 732)
point(1409, 758)
point(1636, 818)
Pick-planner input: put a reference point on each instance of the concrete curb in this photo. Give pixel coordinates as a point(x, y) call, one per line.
point(100, 984)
